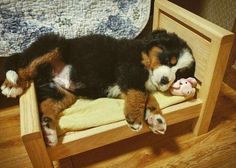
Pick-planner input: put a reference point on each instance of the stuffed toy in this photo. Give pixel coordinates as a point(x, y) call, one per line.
point(184, 87)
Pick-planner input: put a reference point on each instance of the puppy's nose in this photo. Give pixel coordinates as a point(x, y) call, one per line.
point(164, 80)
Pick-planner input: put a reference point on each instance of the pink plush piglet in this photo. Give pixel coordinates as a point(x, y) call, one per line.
point(184, 87)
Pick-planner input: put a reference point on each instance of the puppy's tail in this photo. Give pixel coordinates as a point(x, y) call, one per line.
point(12, 62)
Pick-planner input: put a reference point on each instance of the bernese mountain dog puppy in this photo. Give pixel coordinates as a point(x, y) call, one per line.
point(95, 66)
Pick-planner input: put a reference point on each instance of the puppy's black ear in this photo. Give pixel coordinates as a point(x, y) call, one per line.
point(158, 33)
point(186, 72)
point(12, 62)
point(154, 39)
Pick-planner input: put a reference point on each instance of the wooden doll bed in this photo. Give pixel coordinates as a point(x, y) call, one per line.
point(211, 46)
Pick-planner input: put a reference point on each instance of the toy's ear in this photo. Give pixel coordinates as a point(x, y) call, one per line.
point(176, 85)
point(193, 81)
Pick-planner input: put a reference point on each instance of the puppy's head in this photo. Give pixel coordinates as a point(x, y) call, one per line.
point(161, 75)
point(165, 55)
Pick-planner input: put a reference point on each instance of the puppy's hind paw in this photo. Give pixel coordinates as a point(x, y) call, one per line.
point(50, 134)
point(10, 88)
point(3, 86)
point(12, 92)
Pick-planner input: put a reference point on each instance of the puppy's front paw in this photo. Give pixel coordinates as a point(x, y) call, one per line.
point(134, 125)
point(155, 122)
point(49, 131)
point(10, 88)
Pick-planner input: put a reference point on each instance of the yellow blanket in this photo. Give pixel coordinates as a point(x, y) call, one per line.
point(92, 113)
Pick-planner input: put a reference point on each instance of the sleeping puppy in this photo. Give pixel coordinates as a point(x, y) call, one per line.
point(96, 66)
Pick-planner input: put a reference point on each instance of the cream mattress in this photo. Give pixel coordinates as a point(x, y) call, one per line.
point(84, 114)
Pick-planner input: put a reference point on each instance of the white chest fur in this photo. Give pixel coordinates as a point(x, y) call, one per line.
point(63, 78)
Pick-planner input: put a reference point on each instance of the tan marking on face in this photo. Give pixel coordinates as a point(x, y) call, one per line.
point(173, 60)
point(145, 60)
point(153, 56)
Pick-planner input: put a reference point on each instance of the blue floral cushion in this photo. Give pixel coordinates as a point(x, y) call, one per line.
point(21, 22)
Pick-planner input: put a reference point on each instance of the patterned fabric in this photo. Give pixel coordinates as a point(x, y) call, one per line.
point(22, 21)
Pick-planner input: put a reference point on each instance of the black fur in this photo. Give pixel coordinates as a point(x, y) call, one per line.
point(102, 61)
point(170, 43)
point(97, 61)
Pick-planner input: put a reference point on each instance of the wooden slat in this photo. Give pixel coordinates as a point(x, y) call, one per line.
point(211, 85)
point(183, 111)
point(96, 137)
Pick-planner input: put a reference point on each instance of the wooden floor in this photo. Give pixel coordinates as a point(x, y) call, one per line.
point(178, 148)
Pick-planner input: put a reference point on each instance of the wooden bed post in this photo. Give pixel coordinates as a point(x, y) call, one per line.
point(37, 151)
point(31, 131)
point(213, 79)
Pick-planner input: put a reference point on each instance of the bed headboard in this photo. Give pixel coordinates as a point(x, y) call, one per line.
point(210, 43)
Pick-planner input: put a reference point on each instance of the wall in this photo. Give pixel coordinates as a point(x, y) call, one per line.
point(220, 12)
